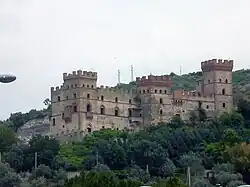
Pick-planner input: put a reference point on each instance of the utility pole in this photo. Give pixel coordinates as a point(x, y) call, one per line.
point(119, 77)
point(35, 160)
point(132, 73)
point(188, 177)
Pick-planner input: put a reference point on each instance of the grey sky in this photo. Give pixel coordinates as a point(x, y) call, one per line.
point(41, 39)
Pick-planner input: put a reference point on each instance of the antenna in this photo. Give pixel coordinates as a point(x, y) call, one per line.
point(119, 77)
point(132, 73)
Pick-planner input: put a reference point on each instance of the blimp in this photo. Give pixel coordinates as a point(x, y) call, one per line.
point(7, 78)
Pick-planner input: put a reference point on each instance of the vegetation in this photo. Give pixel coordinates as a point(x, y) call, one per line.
point(158, 156)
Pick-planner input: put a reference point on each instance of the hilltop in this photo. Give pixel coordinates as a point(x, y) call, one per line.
point(241, 82)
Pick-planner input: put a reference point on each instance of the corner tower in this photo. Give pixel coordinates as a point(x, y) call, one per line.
point(217, 82)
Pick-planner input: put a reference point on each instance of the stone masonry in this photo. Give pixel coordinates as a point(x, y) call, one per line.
point(80, 107)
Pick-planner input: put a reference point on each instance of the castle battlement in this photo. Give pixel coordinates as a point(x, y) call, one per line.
point(80, 74)
point(152, 80)
point(217, 64)
point(114, 90)
point(56, 89)
point(191, 95)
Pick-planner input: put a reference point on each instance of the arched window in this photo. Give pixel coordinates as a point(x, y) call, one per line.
point(74, 95)
point(116, 99)
point(88, 96)
point(130, 101)
point(92, 86)
point(161, 101)
point(54, 121)
point(161, 112)
point(75, 108)
point(89, 108)
point(223, 91)
point(226, 81)
point(102, 110)
point(117, 111)
point(87, 86)
point(224, 105)
point(102, 97)
point(129, 112)
point(219, 80)
point(58, 98)
point(166, 91)
point(143, 91)
point(160, 91)
point(155, 91)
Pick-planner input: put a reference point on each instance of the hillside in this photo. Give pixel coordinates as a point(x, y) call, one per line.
point(241, 79)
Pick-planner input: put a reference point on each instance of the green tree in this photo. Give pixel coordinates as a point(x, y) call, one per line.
point(7, 138)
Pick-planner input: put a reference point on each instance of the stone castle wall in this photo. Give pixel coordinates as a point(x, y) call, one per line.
point(80, 107)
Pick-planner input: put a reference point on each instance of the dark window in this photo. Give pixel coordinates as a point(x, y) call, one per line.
point(226, 81)
point(87, 86)
point(155, 91)
point(89, 108)
point(199, 104)
point(166, 91)
point(76, 85)
point(208, 81)
point(63, 126)
point(224, 105)
point(148, 91)
point(88, 96)
point(160, 91)
point(129, 101)
point(102, 110)
point(161, 101)
point(143, 91)
point(220, 80)
point(83, 85)
point(102, 97)
point(116, 99)
point(54, 121)
point(58, 98)
point(75, 108)
point(207, 107)
point(89, 129)
point(161, 112)
point(116, 111)
point(140, 91)
point(62, 115)
point(223, 91)
point(129, 112)
point(67, 97)
point(74, 95)
point(103, 127)
point(92, 86)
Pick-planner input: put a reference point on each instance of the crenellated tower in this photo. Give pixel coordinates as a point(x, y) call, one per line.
point(217, 82)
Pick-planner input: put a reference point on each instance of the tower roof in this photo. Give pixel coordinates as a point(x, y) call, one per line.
point(217, 64)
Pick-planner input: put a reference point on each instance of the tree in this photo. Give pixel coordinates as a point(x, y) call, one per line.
point(7, 138)
point(8, 178)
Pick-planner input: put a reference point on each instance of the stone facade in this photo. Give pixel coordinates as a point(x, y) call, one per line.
point(80, 107)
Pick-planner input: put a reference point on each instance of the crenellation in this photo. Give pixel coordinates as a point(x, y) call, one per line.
point(80, 74)
point(88, 108)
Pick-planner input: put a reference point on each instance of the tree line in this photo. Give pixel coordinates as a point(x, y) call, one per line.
point(157, 156)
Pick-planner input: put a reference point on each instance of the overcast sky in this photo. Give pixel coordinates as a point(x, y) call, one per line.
point(41, 39)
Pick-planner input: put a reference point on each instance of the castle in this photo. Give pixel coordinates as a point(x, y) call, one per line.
point(80, 107)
